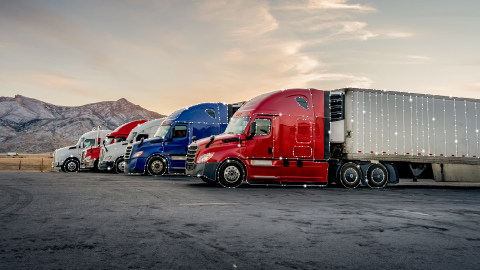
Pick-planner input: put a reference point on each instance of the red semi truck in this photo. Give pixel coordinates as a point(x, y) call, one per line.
point(90, 156)
point(348, 136)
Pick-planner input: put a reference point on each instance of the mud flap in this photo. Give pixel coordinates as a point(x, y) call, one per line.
point(392, 173)
point(364, 167)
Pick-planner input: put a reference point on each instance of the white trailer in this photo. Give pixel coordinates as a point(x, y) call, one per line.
point(112, 156)
point(68, 158)
point(420, 130)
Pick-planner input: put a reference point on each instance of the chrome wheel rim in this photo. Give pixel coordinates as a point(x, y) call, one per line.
point(72, 166)
point(157, 166)
point(121, 166)
point(231, 174)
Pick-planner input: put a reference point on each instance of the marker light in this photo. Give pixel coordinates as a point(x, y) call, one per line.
point(139, 153)
point(205, 157)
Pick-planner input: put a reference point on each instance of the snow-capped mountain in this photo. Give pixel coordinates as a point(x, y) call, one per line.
point(29, 125)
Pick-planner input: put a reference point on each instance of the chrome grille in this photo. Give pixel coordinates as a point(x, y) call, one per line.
point(191, 155)
point(128, 152)
point(102, 155)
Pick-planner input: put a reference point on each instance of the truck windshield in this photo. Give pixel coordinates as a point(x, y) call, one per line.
point(131, 136)
point(80, 141)
point(88, 143)
point(237, 125)
point(162, 130)
point(109, 140)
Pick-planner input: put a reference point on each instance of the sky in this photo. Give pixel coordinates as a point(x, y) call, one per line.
point(168, 54)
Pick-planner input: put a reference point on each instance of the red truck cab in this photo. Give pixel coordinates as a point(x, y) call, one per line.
point(278, 138)
point(90, 156)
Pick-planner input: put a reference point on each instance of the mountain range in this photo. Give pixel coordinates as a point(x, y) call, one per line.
point(29, 125)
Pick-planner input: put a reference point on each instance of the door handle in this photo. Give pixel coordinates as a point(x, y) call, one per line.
point(270, 150)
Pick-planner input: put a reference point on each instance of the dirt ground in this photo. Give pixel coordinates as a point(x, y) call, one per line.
point(26, 162)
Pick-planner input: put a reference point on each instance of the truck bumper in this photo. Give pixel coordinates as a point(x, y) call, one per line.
point(57, 166)
point(135, 166)
point(87, 164)
point(208, 170)
point(105, 165)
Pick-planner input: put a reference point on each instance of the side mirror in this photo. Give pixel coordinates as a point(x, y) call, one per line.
point(212, 138)
point(140, 144)
point(194, 138)
point(253, 130)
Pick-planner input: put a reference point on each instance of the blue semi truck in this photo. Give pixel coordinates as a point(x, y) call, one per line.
point(166, 151)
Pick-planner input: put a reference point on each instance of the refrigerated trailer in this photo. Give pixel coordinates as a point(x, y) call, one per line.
point(349, 136)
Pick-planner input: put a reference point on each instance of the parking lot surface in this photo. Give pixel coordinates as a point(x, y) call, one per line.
point(107, 221)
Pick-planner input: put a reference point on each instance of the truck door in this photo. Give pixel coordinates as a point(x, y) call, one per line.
point(177, 146)
point(260, 152)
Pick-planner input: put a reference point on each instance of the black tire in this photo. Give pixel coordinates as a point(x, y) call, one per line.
point(231, 174)
point(95, 166)
point(71, 165)
point(156, 166)
point(350, 175)
point(377, 176)
point(208, 180)
point(120, 165)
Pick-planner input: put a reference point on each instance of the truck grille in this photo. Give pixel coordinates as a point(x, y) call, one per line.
point(191, 155)
point(128, 152)
point(102, 155)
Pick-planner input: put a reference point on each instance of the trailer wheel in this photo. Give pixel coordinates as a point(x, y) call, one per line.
point(350, 175)
point(120, 165)
point(71, 165)
point(208, 180)
point(231, 174)
point(377, 176)
point(156, 166)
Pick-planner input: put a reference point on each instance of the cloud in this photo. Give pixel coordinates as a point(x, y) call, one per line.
point(324, 5)
point(419, 57)
point(398, 35)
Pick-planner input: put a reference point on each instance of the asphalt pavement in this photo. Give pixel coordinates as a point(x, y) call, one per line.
point(110, 221)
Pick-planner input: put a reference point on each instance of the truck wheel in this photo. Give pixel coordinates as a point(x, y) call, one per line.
point(71, 165)
point(350, 175)
point(377, 176)
point(120, 165)
point(208, 180)
point(231, 174)
point(156, 166)
point(95, 166)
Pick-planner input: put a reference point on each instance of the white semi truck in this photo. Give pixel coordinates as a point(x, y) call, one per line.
point(112, 156)
point(67, 159)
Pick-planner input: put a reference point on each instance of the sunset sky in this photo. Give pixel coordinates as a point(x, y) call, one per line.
point(167, 54)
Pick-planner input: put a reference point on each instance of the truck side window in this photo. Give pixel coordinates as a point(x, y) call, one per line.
point(211, 113)
point(263, 127)
point(141, 136)
point(302, 102)
point(179, 131)
point(120, 139)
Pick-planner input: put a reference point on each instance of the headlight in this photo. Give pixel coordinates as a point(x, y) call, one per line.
point(139, 153)
point(205, 157)
point(87, 158)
